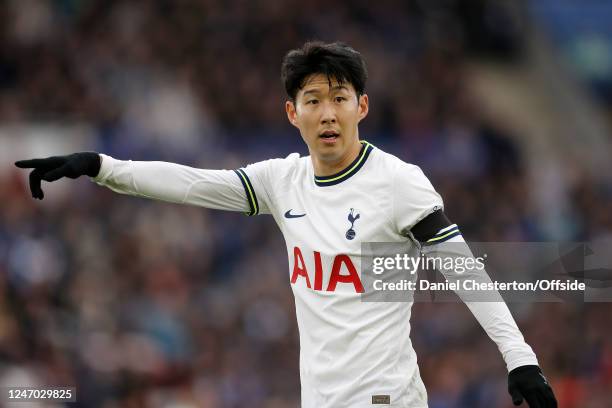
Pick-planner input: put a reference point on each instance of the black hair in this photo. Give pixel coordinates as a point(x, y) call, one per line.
point(336, 60)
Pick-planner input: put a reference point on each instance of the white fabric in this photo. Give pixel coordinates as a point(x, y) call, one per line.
point(216, 189)
point(350, 350)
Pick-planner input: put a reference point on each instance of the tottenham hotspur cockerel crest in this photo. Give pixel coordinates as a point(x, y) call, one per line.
point(352, 217)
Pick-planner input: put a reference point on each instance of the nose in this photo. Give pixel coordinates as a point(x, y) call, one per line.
point(328, 113)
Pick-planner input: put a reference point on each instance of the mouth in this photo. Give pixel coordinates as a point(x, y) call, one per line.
point(329, 135)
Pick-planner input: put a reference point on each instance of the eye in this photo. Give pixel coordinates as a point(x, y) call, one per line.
point(312, 102)
point(340, 99)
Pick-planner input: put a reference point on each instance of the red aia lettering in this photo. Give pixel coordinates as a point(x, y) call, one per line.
point(352, 277)
point(299, 269)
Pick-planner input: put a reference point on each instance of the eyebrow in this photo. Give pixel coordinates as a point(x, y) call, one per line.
point(335, 88)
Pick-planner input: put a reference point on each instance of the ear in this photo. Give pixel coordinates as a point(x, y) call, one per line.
point(291, 113)
point(364, 106)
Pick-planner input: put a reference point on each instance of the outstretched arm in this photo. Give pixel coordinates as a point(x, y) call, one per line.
point(216, 189)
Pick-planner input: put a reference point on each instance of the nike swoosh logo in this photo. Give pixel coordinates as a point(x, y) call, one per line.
point(289, 215)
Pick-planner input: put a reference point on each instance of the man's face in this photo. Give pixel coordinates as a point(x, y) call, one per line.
point(327, 117)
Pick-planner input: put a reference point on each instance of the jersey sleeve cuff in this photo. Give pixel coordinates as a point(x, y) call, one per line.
point(106, 167)
point(511, 365)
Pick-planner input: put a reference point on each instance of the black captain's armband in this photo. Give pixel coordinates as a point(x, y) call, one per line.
point(435, 228)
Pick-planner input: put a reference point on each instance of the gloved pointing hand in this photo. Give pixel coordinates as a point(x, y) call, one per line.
point(56, 167)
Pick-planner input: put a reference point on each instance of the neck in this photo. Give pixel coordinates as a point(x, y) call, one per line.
point(327, 168)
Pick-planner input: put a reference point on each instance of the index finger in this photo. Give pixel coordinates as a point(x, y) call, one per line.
point(28, 164)
point(45, 164)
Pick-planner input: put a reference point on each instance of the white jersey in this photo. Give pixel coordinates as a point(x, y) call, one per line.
point(352, 353)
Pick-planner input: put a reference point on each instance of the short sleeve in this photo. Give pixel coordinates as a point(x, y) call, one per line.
point(414, 198)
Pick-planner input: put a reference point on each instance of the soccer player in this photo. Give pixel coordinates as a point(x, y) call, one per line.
point(353, 353)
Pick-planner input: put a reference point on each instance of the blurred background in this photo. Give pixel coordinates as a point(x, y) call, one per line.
point(506, 105)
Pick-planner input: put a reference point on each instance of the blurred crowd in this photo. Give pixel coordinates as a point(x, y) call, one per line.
point(140, 303)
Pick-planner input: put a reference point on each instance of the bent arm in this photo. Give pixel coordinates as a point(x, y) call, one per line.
point(175, 183)
point(443, 240)
point(418, 212)
point(489, 309)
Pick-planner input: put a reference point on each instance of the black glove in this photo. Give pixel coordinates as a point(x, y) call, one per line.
point(529, 383)
point(56, 167)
